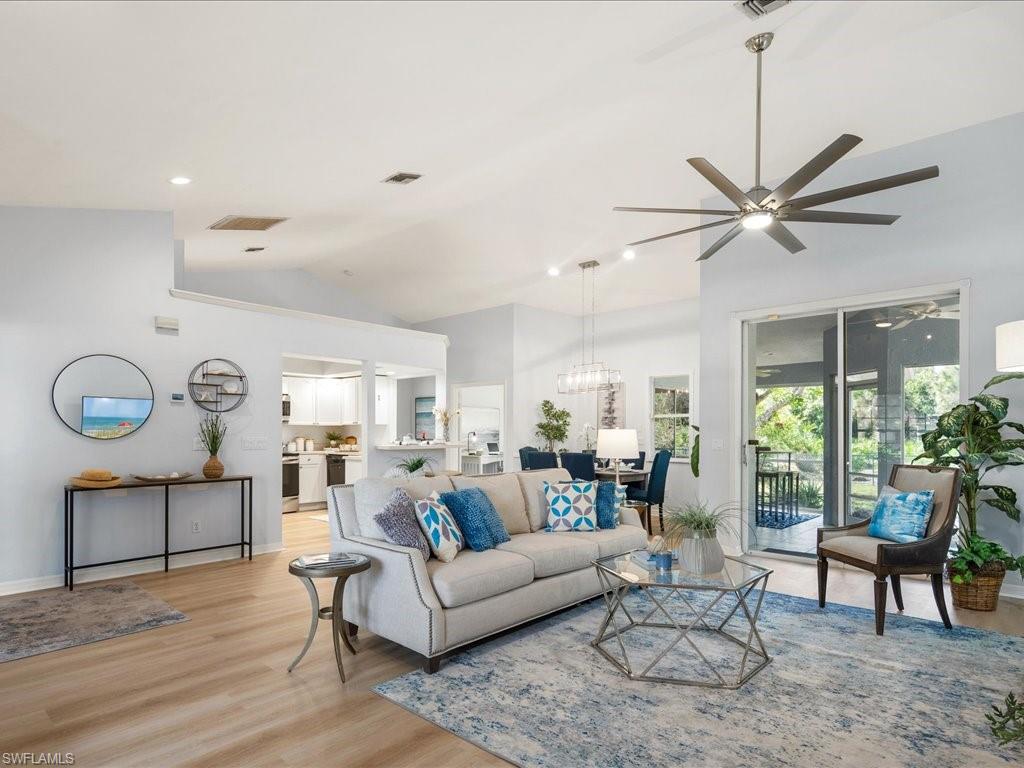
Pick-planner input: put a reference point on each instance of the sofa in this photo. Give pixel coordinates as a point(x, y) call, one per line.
point(434, 608)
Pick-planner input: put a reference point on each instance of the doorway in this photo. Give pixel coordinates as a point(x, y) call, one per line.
point(480, 427)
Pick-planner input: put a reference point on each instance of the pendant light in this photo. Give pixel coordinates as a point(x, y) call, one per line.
point(588, 376)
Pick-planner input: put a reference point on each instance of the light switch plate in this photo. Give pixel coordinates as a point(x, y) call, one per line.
point(717, 445)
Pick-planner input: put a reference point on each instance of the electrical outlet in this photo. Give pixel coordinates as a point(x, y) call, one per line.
point(254, 443)
point(197, 444)
point(195, 526)
point(717, 445)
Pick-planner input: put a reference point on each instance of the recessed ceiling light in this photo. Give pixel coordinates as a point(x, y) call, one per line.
point(180, 181)
point(553, 272)
point(629, 254)
point(883, 324)
point(929, 337)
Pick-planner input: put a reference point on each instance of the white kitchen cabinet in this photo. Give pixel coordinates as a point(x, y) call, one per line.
point(312, 479)
point(353, 470)
point(350, 389)
point(329, 402)
point(302, 392)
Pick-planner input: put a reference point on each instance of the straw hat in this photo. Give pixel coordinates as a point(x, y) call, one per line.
point(95, 478)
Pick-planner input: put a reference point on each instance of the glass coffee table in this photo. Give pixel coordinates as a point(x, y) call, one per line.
point(698, 610)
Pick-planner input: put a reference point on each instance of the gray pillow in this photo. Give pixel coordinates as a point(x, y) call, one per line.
point(397, 519)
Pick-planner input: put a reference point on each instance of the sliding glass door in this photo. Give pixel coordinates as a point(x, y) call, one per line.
point(831, 402)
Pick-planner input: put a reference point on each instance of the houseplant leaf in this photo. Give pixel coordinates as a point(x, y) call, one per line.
point(1001, 378)
point(1009, 508)
point(997, 406)
point(951, 423)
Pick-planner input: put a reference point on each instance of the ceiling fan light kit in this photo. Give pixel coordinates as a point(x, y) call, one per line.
point(760, 208)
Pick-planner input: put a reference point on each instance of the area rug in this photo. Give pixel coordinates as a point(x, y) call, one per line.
point(41, 622)
point(783, 521)
point(834, 694)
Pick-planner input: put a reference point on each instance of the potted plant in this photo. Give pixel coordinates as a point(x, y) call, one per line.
point(1007, 724)
point(693, 532)
point(555, 427)
point(212, 430)
point(412, 466)
point(334, 438)
point(970, 436)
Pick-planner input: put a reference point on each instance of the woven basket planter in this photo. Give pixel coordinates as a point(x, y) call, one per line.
point(982, 594)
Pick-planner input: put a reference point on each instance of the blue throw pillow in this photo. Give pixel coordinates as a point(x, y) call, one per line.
point(609, 498)
point(476, 517)
point(901, 517)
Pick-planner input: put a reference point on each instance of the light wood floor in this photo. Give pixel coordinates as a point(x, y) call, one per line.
point(214, 691)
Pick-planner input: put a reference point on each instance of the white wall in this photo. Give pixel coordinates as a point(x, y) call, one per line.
point(86, 281)
point(964, 225)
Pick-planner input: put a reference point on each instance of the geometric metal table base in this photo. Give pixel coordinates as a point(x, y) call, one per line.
point(755, 656)
point(332, 612)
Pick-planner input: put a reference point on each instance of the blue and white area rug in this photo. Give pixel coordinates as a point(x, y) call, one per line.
point(834, 694)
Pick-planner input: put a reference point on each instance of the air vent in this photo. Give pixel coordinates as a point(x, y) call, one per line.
point(401, 177)
point(255, 249)
point(755, 9)
point(247, 223)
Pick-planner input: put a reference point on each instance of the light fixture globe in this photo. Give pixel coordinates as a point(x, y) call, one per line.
point(757, 219)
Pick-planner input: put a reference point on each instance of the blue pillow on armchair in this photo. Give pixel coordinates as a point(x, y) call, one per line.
point(901, 516)
point(476, 517)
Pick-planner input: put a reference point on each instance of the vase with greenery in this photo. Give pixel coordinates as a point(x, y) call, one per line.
point(212, 430)
point(693, 531)
point(333, 438)
point(1007, 724)
point(971, 436)
point(554, 428)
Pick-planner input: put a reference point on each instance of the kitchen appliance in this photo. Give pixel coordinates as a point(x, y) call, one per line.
point(335, 470)
point(286, 408)
point(289, 484)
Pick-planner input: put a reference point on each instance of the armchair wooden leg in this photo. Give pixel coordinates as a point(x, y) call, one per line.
point(881, 587)
point(822, 580)
point(897, 591)
point(940, 599)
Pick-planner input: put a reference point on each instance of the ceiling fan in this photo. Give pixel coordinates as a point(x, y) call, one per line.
point(764, 209)
point(900, 318)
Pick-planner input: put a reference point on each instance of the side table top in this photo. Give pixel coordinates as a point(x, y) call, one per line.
point(307, 566)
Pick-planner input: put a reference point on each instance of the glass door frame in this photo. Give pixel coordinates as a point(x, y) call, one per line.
point(741, 416)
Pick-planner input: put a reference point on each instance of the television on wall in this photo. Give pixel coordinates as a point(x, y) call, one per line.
point(109, 417)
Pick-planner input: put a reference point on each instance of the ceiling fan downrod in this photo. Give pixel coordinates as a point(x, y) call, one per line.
point(758, 44)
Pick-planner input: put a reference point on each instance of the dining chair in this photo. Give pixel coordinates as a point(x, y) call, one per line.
point(542, 460)
point(654, 493)
point(524, 453)
point(637, 463)
point(579, 465)
point(852, 545)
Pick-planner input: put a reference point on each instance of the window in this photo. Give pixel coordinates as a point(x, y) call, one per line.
point(670, 416)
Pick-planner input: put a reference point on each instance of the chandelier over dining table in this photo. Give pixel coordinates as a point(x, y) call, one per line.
point(589, 375)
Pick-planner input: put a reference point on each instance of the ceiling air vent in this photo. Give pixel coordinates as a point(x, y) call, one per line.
point(255, 249)
point(401, 178)
point(247, 223)
point(755, 9)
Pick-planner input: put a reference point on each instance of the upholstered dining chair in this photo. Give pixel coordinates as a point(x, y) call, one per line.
point(654, 493)
point(637, 463)
point(524, 452)
point(851, 544)
point(542, 460)
point(579, 465)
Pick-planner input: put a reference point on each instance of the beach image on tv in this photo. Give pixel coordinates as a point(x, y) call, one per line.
point(109, 417)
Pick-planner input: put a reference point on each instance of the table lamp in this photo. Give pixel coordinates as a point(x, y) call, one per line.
point(617, 444)
point(1010, 347)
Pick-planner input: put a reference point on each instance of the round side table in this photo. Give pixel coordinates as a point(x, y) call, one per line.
point(339, 572)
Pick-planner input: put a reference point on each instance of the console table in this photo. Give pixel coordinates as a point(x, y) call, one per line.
point(70, 491)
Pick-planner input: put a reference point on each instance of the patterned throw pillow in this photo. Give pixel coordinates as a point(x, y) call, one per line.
point(397, 518)
point(477, 518)
point(609, 498)
point(901, 517)
point(442, 533)
point(571, 506)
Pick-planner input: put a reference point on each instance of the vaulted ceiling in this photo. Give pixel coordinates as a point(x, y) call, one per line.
point(528, 122)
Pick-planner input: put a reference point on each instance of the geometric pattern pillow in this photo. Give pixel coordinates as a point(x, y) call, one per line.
point(901, 517)
point(571, 505)
point(442, 533)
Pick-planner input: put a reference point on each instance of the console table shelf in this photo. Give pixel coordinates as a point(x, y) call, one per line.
point(70, 491)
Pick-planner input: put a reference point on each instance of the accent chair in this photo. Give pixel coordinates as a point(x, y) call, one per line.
point(524, 452)
point(654, 493)
point(579, 465)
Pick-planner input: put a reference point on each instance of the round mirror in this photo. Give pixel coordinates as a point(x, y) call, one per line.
point(102, 396)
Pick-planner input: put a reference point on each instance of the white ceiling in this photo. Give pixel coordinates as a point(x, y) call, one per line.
point(528, 121)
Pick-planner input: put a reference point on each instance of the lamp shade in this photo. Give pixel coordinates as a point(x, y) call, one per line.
point(617, 444)
point(1010, 347)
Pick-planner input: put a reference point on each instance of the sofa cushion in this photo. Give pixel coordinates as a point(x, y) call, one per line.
point(613, 541)
point(505, 494)
point(372, 493)
point(553, 554)
point(859, 547)
point(472, 576)
point(532, 483)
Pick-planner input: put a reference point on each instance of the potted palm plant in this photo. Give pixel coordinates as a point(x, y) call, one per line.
point(971, 436)
point(693, 532)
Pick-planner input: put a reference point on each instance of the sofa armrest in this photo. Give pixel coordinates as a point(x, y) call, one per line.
point(931, 550)
point(629, 516)
point(856, 529)
point(394, 599)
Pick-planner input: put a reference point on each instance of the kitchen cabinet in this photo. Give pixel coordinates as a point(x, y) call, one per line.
point(320, 401)
point(329, 401)
point(312, 479)
point(350, 389)
point(353, 470)
point(302, 392)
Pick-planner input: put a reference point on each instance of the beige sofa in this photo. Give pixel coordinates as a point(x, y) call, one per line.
point(434, 607)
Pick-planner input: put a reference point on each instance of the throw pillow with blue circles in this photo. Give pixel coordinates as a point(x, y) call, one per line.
point(571, 506)
point(901, 517)
point(439, 527)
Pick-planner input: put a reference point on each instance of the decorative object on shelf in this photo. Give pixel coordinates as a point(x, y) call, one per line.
point(693, 531)
point(102, 396)
point(212, 430)
point(555, 426)
point(168, 476)
point(95, 478)
point(592, 376)
point(610, 408)
point(969, 436)
point(333, 438)
point(617, 444)
point(1007, 724)
point(351, 440)
point(424, 426)
point(445, 416)
point(764, 209)
point(218, 385)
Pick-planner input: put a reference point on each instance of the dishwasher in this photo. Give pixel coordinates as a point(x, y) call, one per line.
point(335, 469)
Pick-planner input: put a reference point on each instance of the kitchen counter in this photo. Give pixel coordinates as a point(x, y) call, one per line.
point(322, 452)
point(415, 447)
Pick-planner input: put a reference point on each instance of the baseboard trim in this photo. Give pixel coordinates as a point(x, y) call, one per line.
point(129, 569)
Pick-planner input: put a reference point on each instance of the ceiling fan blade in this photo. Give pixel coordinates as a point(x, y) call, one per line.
point(904, 323)
point(838, 217)
point(674, 210)
point(781, 235)
point(865, 187)
point(682, 231)
point(726, 187)
point(814, 168)
point(717, 245)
